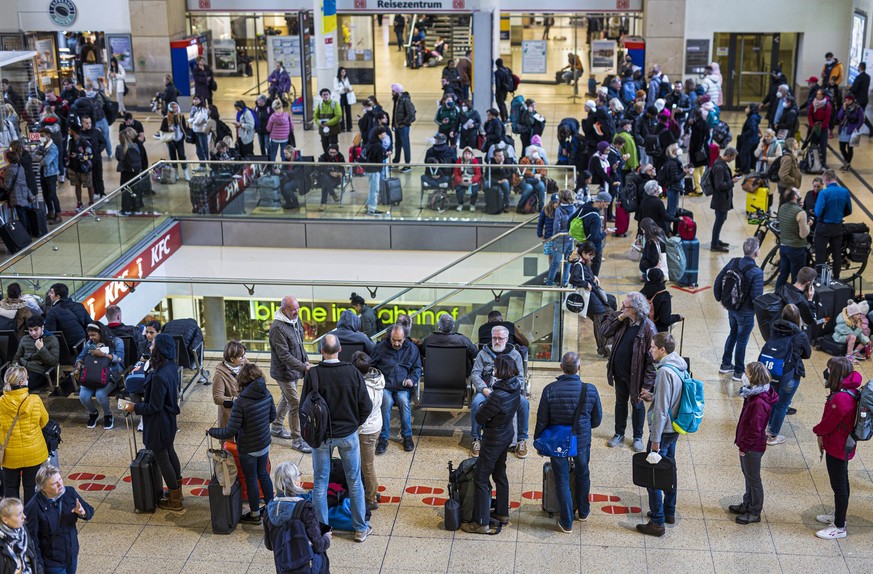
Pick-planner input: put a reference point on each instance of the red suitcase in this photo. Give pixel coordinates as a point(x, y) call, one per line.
point(230, 447)
point(622, 220)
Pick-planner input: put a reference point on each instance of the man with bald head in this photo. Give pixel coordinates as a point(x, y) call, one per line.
point(400, 362)
point(344, 390)
point(288, 363)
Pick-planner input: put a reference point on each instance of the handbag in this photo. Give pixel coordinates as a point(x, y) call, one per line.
point(855, 139)
point(480, 141)
point(351, 98)
point(635, 253)
point(166, 137)
point(189, 137)
point(662, 260)
point(560, 440)
point(9, 434)
point(600, 294)
point(578, 302)
point(223, 468)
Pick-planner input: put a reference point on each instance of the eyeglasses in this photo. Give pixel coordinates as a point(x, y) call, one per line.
point(499, 338)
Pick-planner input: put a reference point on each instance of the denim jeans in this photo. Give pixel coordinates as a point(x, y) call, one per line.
point(201, 145)
point(638, 414)
point(255, 469)
point(461, 191)
point(70, 568)
point(373, 193)
point(103, 126)
point(566, 249)
point(786, 393)
point(504, 189)
point(666, 507)
point(720, 218)
point(791, 261)
point(528, 187)
point(741, 328)
point(672, 202)
point(402, 144)
point(264, 143)
point(102, 394)
point(521, 417)
point(350, 452)
point(274, 147)
point(561, 472)
point(403, 400)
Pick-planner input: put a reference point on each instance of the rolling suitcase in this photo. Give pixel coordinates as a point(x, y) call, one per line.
point(550, 495)
point(145, 476)
point(833, 297)
point(225, 510)
point(692, 261)
point(493, 200)
point(390, 191)
point(660, 476)
point(36, 222)
point(14, 234)
point(682, 344)
point(759, 200)
point(198, 190)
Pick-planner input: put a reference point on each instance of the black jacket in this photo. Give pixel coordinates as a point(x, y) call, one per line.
point(68, 318)
point(653, 207)
point(860, 88)
point(671, 176)
point(660, 297)
point(81, 108)
point(344, 390)
point(800, 346)
point(374, 153)
point(581, 277)
point(808, 309)
point(498, 411)
point(440, 339)
point(250, 418)
point(789, 120)
point(122, 330)
point(558, 404)
point(160, 407)
point(494, 132)
point(651, 256)
point(263, 116)
point(722, 186)
point(9, 563)
point(97, 139)
point(52, 526)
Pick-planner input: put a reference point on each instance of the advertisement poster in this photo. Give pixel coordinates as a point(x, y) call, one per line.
point(224, 56)
point(285, 49)
point(603, 54)
point(92, 72)
point(856, 46)
point(121, 49)
point(45, 54)
point(533, 57)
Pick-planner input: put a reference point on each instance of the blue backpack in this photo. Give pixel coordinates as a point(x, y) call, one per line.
point(515, 109)
point(292, 551)
point(778, 356)
point(690, 404)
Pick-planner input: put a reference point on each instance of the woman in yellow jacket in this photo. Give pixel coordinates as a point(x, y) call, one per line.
point(25, 449)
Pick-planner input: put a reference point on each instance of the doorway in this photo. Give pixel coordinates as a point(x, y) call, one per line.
point(746, 61)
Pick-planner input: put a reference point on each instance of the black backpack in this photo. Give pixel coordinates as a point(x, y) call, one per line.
point(314, 414)
point(95, 372)
point(51, 432)
point(292, 551)
point(664, 88)
point(773, 172)
point(778, 356)
point(222, 130)
point(733, 287)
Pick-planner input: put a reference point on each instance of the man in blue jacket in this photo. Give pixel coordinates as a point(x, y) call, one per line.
point(398, 359)
point(65, 315)
point(832, 205)
point(557, 407)
point(746, 281)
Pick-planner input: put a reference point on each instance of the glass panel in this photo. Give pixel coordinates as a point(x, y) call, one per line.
point(721, 48)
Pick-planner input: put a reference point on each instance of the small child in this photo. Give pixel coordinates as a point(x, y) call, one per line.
point(864, 306)
point(582, 194)
point(849, 331)
point(751, 439)
point(372, 427)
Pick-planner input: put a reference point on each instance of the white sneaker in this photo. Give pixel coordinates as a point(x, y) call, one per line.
point(774, 440)
point(831, 533)
point(460, 207)
point(139, 427)
point(825, 518)
point(472, 207)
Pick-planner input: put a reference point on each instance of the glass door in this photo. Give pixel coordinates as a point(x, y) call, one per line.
point(746, 61)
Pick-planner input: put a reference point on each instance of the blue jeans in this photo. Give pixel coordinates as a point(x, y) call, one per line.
point(350, 452)
point(102, 394)
point(556, 261)
point(667, 507)
point(70, 568)
point(274, 147)
point(561, 472)
point(528, 187)
point(672, 202)
point(521, 417)
point(402, 144)
point(741, 328)
point(255, 469)
point(786, 393)
point(402, 398)
point(461, 190)
point(264, 143)
point(791, 260)
point(373, 194)
point(504, 189)
point(201, 145)
point(103, 126)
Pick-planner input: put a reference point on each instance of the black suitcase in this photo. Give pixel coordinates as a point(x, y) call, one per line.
point(827, 344)
point(559, 76)
point(493, 200)
point(36, 222)
point(225, 511)
point(550, 495)
point(833, 297)
point(130, 201)
point(15, 236)
point(660, 476)
point(145, 476)
point(768, 307)
point(198, 190)
point(390, 191)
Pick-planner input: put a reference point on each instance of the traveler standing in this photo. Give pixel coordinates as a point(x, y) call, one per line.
point(262, 113)
point(860, 88)
point(280, 126)
point(368, 434)
point(819, 119)
point(787, 332)
point(790, 175)
point(343, 87)
point(22, 418)
point(329, 119)
point(225, 388)
point(833, 204)
point(174, 123)
point(793, 234)
point(722, 200)
point(245, 123)
point(402, 117)
point(399, 27)
point(288, 363)
point(204, 81)
point(851, 118)
point(582, 277)
point(375, 155)
point(569, 401)
point(736, 287)
point(503, 84)
point(198, 120)
point(19, 552)
point(116, 83)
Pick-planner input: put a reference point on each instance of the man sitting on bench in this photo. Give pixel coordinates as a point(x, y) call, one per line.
point(516, 338)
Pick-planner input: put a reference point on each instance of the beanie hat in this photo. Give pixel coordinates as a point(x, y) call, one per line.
point(655, 275)
point(603, 196)
point(166, 346)
point(864, 306)
point(536, 140)
point(396, 88)
point(853, 309)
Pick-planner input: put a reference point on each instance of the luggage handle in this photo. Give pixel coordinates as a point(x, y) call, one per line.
point(131, 437)
point(682, 337)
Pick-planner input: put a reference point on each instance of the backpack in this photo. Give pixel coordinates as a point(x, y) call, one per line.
point(721, 134)
point(292, 550)
point(515, 81)
point(507, 80)
point(676, 261)
point(515, 109)
point(628, 194)
point(773, 172)
point(664, 88)
point(652, 305)
point(690, 404)
point(733, 287)
point(314, 415)
point(652, 146)
point(577, 227)
point(529, 206)
point(863, 417)
point(461, 487)
point(95, 372)
point(706, 182)
point(222, 130)
point(778, 356)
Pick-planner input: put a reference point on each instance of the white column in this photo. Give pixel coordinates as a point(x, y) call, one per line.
point(326, 63)
point(485, 37)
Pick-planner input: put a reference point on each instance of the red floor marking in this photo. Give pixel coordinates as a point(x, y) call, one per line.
point(381, 488)
point(603, 498)
point(199, 492)
point(306, 485)
point(194, 481)
point(85, 476)
point(94, 487)
point(389, 500)
point(126, 478)
point(692, 290)
point(514, 504)
point(434, 501)
point(423, 490)
point(532, 495)
point(621, 510)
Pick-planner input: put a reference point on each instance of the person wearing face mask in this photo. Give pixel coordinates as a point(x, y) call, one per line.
point(832, 69)
point(467, 175)
point(49, 162)
point(769, 149)
point(470, 123)
point(531, 179)
point(224, 385)
point(448, 119)
point(330, 177)
point(819, 120)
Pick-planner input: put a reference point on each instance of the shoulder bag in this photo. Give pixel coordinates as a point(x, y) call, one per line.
point(11, 428)
point(560, 440)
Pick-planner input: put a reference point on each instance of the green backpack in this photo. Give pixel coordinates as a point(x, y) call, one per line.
point(577, 227)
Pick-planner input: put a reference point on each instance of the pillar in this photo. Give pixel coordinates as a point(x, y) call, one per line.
point(216, 329)
point(326, 62)
point(664, 31)
point(153, 24)
point(483, 54)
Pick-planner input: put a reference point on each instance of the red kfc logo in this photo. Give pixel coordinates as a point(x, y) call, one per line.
point(361, 4)
point(457, 4)
point(205, 4)
point(622, 4)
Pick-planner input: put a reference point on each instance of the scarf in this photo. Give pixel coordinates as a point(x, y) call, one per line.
point(235, 370)
point(748, 392)
point(819, 104)
point(16, 540)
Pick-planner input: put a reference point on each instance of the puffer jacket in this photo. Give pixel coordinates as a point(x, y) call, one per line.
point(375, 383)
point(16, 183)
point(642, 364)
point(397, 364)
point(369, 324)
point(26, 444)
point(752, 425)
point(498, 411)
point(799, 343)
point(561, 224)
point(224, 388)
point(287, 356)
point(483, 367)
point(558, 404)
point(845, 327)
point(53, 527)
point(348, 330)
point(38, 360)
point(838, 419)
point(250, 418)
point(160, 407)
point(68, 317)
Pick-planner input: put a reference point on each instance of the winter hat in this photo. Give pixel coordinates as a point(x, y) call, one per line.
point(603, 196)
point(602, 146)
point(849, 97)
point(864, 306)
point(555, 198)
point(536, 140)
point(396, 89)
point(660, 104)
point(590, 105)
point(853, 309)
point(166, 346)
point(665, 113)
point(703, 99)
point(440, 138)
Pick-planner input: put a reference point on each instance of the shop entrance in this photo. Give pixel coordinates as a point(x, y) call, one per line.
point(746, 61)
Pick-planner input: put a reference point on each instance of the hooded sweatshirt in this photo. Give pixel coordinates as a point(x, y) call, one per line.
point(375, 383)
point(752, 426)
point(838, 419)
point(348, 330)
point(666, 397)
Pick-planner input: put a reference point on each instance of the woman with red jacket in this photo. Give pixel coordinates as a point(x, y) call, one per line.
point(819, 119)
point(467, 176)
point(836, 424)
point(751, 439)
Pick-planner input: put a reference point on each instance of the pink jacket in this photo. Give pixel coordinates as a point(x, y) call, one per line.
point(280, 126)
point(838, 419)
